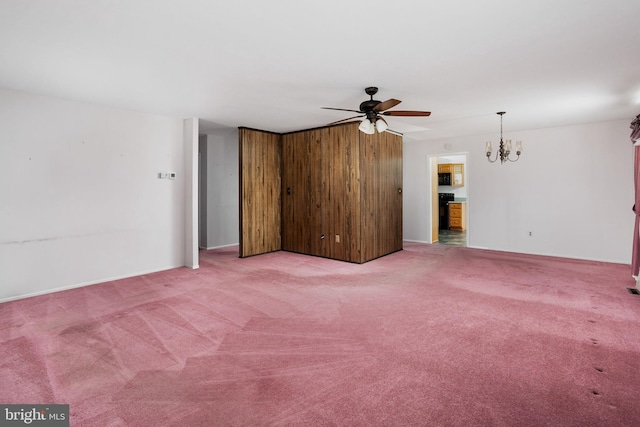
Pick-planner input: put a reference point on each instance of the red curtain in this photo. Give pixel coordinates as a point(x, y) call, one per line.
point(635, 257)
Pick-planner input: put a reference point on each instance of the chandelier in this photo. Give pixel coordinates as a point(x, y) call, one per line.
point(505, 147)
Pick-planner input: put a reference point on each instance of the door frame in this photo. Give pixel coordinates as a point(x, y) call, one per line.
point(432, 173)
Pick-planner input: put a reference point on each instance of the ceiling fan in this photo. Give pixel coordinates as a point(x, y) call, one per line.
point(372, 110)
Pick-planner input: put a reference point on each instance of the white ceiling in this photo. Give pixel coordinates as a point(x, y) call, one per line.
point(272, 64)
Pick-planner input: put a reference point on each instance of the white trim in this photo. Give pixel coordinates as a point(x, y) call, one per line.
point(219, 247)
point(608, 261)
point(83, 284)
point(551, 255)
point(417, 241)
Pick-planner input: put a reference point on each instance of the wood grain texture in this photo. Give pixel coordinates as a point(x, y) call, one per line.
point(344, 192)
point(260, 191)
point(318, 223)
point(339, 193)
point(321, 192)
point(296, 190)
point(381, 197)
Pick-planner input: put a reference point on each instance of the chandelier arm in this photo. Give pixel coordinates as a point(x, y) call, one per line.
point(489, 157)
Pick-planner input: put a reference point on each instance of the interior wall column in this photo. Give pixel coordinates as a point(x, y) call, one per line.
point(190, 138)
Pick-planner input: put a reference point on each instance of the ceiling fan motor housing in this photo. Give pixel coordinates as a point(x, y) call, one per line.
point(368, 106)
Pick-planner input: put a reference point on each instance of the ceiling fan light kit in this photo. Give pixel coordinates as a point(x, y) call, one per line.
point(367, 127)
point(504, 151)
point(381, 125)
point(372, 109)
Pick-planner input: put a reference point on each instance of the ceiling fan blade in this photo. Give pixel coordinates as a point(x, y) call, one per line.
point(386, 104)
point(407, 113)
point(344, 120)
point(340, 109)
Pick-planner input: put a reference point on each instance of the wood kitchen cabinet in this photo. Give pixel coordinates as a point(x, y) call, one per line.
point(457, 173)
point(445, 168)
point(457, 215)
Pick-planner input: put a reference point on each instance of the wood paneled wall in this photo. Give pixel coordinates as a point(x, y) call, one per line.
point(260, 187)
point(345, 205)
point(340, 195)
point(321, 194)
point(381, 180)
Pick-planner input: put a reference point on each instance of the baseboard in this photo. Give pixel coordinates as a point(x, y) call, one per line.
point(417, 241)
point(218, 247)
point(83, 284)
point(552, 255)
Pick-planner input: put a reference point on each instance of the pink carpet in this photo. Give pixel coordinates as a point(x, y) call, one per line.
point(431, 335)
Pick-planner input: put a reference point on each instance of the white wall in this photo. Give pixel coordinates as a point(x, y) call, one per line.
point(190, 138)
point(572, 188)
point(222, 183)
point(81, 201)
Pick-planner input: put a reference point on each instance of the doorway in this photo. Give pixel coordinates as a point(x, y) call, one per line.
point(449, 199)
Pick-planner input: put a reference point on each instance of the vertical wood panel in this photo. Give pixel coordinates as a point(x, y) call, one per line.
point(337, 200)
point(298, 215)
point(319, 215)
point(353, 196)
point(367, 183)
point(260, 192)
point(395, 142)
point(320, 167)
point(381, 184)
point(345, 193)
point(290, 188)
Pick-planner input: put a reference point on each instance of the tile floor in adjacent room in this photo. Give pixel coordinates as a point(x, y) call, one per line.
point(452, 237)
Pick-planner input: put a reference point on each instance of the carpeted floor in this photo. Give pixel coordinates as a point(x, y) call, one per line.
point(432, 335)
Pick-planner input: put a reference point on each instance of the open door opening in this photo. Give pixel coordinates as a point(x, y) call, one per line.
point(449, 199)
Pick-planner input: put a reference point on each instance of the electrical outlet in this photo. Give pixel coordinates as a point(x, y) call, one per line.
point(172, 175)
point(529, 234)
point(337, 238)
